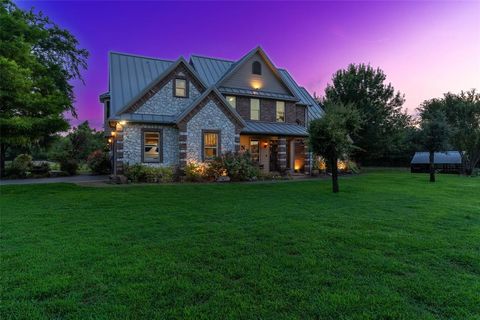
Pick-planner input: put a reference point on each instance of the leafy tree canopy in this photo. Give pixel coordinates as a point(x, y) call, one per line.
point(384, 130)
point(37, 61)
point(462, 115)
point(330, 135)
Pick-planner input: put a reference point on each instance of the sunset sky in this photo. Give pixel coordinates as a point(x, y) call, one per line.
point(425, 48)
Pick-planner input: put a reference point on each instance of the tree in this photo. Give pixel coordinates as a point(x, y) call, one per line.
point(78, 144)
point(462, 112)
point(37, 61)
point(383, 134)
point(330, 135)
point(434, 131)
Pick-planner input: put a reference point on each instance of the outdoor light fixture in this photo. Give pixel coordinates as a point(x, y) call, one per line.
point(123, 122)
point(265, 144)
point(256, 85)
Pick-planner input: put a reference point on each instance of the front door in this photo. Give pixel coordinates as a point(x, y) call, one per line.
point(273, 155)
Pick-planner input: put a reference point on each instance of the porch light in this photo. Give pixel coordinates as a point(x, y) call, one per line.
point(113, 133)
point(265, 144)
point(109, 140)
point(123, 122)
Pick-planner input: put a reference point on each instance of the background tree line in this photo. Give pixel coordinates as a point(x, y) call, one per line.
point(365, 121)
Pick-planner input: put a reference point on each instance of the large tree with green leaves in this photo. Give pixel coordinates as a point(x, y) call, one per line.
point(38, 60)
point(434, 131)
point(384, 132)
point(330, 135)
point(462, 114)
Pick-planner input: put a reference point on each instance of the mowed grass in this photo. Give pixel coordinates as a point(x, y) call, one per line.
point(391, 245)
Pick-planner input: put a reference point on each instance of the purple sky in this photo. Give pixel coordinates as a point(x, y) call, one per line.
point(425, 48)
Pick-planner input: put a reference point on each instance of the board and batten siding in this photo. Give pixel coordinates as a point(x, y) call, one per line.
point(243, 77)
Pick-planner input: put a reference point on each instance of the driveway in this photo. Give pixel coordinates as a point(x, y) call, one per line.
point(73, 179)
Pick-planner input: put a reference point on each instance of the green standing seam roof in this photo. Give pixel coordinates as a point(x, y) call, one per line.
point(130, 75)
point(210, 69)
point(287, 129)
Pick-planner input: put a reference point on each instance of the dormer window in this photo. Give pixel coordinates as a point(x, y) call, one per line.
point(256, 68)
point(180, 88)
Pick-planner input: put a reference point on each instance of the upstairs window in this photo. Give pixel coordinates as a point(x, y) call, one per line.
point(256, 68)
point(232, 101)
point(254, 109)
point(151, 146)
point(280, 113)
point(180, 88)
point(210, 145)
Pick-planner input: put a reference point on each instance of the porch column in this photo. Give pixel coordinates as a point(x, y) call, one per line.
point(307, 158)
point(118, 141)
point(237, 140)
point(282, 153)
point(182, 146)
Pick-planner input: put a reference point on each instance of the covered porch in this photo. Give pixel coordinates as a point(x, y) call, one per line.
point(277, 147)
point(277, 153)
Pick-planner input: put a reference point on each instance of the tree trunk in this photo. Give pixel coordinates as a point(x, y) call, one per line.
point(3, 150)
point(432, 167)
point(333, 162)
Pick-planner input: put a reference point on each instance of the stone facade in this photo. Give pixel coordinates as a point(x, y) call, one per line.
point(210, 117)
point(132, 144)
point(164, 103)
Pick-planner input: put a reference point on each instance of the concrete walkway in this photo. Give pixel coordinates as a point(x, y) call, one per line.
point(74, 179)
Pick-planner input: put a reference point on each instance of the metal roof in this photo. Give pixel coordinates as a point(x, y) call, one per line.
point(255, 93)
point(210, 70)
point(447, 157)
point(129, 75)
point(314, 109)
point(285, 129)
point(141, 117)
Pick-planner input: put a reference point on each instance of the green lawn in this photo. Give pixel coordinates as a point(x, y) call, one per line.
point(391, 245)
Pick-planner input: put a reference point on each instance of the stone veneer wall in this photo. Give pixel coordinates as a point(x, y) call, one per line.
point(164, 103)
point(132, 144)
point(210, 117)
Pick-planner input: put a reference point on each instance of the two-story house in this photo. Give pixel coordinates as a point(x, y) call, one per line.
point(167, 113)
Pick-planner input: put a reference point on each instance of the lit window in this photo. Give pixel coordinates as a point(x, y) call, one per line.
point(254, 109)
point(180, 87)
point(254, 150)
point(151, 147)
point(210, 145)
point(256, 68)
point(280, 114)
point(232, 101)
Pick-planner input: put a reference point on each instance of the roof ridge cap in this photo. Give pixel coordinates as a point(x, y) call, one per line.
point(207, 57)
point(140, 56)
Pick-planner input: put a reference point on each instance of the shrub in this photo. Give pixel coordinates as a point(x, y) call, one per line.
point(99, 162)
point(40, 169)
point(197, 172)
point(70, 166)
point(20, 166)
point(142, 173)
point(352, 166)
point(238, 166)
